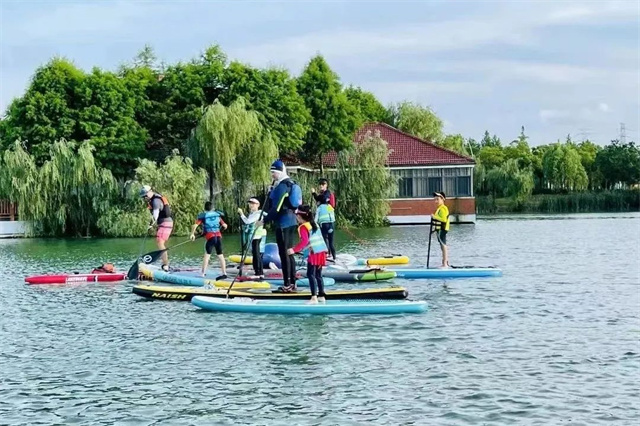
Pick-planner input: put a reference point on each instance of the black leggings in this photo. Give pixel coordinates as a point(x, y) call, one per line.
point(314, 274)
point(257, 257)
point(327, 234)
point(285, 238)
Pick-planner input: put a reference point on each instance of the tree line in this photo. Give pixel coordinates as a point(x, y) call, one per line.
point(230, 120)
point(517, 171)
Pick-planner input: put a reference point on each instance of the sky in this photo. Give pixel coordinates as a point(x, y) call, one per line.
point(554, 67)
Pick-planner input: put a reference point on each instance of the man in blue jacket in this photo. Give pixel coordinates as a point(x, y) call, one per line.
point(285, 197)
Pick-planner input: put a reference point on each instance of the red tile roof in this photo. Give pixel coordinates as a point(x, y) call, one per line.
point(405, 149)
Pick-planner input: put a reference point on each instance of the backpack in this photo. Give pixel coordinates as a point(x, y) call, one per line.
point(294, 200)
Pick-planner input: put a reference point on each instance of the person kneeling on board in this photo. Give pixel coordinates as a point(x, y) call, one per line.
point(106, 268)
point(259, 234)
point(211, 221)
point(311, 243)
point(441, 225)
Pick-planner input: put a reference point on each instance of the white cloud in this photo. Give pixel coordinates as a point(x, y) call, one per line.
point(581, 114)
point(511, 23)
point(549, 115)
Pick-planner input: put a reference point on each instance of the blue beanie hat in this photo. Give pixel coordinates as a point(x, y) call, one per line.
point(278, 165)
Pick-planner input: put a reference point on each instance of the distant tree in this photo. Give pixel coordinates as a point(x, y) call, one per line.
point(182, 93)
point(519, 150)
point(106, 116)
point(454, 143)
point(509, 180)
point(417, 120)
point(272, 94)
point(334, 119)
point(46, 113)
point(563, 168)
point(487, 140)
point(491, 156)
point(588, 152)
point(619, 163)
point(368, 107)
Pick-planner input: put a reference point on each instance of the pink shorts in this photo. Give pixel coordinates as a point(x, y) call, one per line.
point(164, 232)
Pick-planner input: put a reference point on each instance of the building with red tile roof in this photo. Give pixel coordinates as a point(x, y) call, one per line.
point(422, 168)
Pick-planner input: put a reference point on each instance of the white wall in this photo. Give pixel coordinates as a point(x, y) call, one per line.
point(12, 229)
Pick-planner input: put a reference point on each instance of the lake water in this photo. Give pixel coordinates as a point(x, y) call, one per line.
point(555, 340)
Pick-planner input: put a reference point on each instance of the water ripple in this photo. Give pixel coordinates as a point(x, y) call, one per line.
point(556, 340)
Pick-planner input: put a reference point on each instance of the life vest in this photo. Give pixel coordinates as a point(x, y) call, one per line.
point(165, 211)
point(442, 218)
point(316, 242)
point(326, 213)
point(210, 221)
point(260, 234)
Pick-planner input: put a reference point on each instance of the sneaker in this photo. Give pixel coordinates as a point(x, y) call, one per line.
point(221, 277)
point(321, 299)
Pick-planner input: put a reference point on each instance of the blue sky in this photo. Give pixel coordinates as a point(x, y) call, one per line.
point(556, 67)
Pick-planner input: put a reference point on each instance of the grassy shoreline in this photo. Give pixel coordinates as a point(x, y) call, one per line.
point(576, 202)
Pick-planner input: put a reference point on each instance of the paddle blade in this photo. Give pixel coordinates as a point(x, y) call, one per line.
point(133, 271)
point(152, 256)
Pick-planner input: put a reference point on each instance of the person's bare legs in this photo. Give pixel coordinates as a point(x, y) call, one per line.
point(445, 255)
point(223, 264)
point(162, 246)
point(205, 264)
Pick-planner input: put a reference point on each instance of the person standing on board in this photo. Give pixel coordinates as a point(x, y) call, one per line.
point(441, 225)
point(325, 214)
point(259, 234)
point(212, 223)
point(161, 216)
point(313, 246)
point(284, 199)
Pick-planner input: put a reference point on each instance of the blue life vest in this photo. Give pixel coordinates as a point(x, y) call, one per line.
point(210, 221)
point(326, 214)
point(316, 242)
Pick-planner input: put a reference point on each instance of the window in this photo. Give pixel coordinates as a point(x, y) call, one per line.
point(449, 186)
point(406, 186)
point(464, 186)
point(422, 183)
point(435, 185)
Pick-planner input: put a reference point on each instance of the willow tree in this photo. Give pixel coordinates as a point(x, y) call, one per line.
point(563, 169)
point(226, 136)
point(74, 189)
point(363, 183)
point(509, 180)
point(65, 196)
point(20, 182)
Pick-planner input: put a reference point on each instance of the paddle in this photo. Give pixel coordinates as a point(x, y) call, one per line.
point(152, 257)
point(429, 249)
point(246, 249)
point(133, 271)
